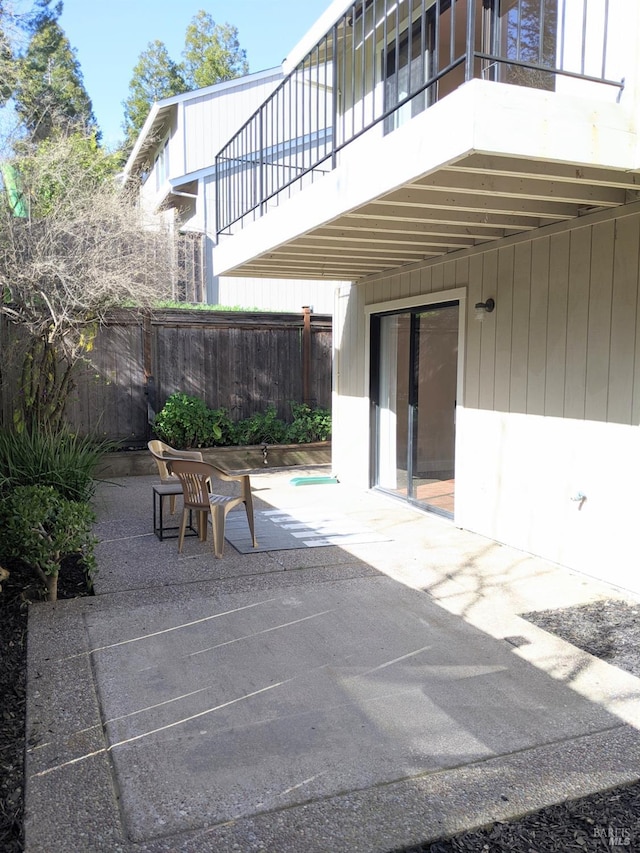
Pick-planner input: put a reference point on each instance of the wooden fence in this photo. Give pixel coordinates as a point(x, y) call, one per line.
point(240, 361)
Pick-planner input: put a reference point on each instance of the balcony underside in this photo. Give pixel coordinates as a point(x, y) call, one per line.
point(487, 162)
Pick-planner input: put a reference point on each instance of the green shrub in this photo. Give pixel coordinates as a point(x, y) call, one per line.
point(186, 422)
point(228, 429)
point(262, 428)
point(52, 458)
point(308, 424)
point(42, 528)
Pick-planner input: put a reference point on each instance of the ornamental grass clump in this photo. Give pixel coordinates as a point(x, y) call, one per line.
point(42, 528)
point(60, 459)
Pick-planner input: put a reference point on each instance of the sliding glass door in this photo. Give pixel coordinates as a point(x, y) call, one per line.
point(413, 391)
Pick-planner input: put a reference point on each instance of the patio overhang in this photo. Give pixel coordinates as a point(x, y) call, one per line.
point(488, 161)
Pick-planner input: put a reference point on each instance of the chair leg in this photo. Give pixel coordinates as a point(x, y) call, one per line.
point(248, 505)
point(183, 525)
point(172, 504)
point(203, 521)
point(217, 519)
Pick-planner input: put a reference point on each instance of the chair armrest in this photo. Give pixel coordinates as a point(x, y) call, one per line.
point(243, 479)
point(184, 454)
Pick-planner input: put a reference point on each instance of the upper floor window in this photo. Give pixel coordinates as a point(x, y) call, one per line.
point(527, 32)
point(516, 40)
point(413, 58)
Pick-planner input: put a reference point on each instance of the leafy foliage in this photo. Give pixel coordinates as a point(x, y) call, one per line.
point(62, 460)
point(187, 422)
point(308, 424)
point(212, 52)
point(41, 527)
point(228, 429)
point(262, 428)
point(60, 174)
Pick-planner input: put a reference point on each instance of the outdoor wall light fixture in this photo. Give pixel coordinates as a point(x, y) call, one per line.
point(483, 308)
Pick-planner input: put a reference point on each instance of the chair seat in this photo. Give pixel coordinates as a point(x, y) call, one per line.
point(222, 500)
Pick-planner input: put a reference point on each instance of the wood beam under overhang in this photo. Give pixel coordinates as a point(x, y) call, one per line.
point(515, 167)
point(430, 229)
point(539, 188)
point(473, 203)
point(461, 218)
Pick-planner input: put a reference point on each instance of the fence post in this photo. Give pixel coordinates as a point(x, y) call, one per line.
point(306, 354)
point(147, 364)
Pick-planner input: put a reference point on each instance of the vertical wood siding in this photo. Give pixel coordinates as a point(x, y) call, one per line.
point(563, 340)
point(213, 118)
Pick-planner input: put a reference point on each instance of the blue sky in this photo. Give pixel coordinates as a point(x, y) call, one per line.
point(109, 36)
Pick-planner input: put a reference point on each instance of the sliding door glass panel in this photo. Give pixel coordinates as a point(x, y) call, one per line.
point(414, 429)
point(434, 409)
point(393, 404)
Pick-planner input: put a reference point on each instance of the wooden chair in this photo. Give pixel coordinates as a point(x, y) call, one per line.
point(196, 479)
point(161, 452)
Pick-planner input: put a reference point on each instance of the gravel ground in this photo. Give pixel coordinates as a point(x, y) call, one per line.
point(604, 821)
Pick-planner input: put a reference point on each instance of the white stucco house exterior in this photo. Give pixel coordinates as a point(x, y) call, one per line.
point(455, 159)
point(173, 162)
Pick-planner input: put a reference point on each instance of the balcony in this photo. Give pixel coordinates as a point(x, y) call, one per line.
point(416, 128)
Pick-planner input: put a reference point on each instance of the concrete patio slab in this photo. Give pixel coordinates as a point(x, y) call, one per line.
point(321, 699)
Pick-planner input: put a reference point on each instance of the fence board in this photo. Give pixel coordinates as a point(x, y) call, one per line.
point(240, 361)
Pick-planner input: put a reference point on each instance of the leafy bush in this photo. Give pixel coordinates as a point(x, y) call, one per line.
point(52, 458)
point(308, 424)
point(228, 429)
point(262, 428)
point(187, 422)
point(41, 528)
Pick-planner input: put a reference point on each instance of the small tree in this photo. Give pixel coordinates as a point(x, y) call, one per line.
point(80, 252)
point(42, 528)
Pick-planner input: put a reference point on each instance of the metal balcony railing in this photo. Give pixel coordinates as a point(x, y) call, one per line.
point(385, 61)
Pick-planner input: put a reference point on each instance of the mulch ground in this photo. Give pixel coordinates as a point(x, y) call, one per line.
point(604, 821)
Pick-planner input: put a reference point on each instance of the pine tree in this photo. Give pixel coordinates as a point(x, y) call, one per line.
point(155, 76)
point(212, 52)
point(7, 66)
point(50, 96)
